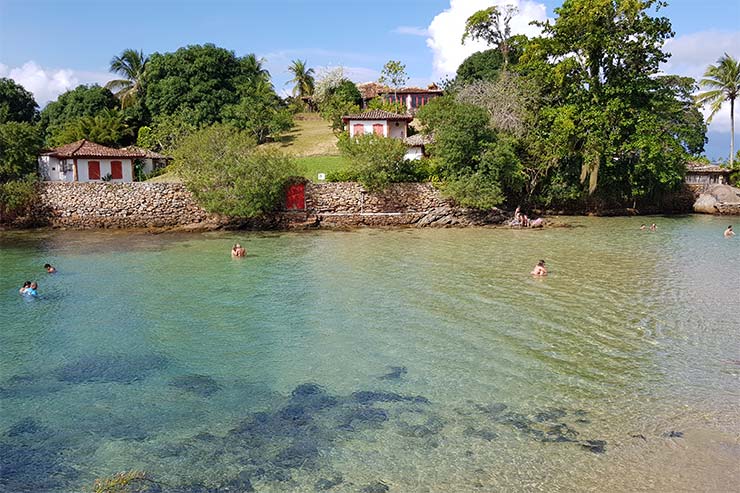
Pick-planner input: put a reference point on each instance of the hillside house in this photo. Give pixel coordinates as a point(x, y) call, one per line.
point(411, 97)
point(706, 174)
point(85, 161)
point(378, 122)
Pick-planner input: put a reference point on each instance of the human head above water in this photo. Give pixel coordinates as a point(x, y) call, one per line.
point(34, 285)
point(541, 263)
point(27, 284)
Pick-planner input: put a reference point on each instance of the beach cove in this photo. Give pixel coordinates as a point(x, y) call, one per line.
point(374, 360)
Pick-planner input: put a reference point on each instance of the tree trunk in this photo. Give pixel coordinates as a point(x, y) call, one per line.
point(732, 132)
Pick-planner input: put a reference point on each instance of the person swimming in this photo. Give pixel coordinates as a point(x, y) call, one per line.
point(26, 286)
point(642, 227)
point(50, 268)
point(31, 290)
point(238, 251)
point(539, 270)
point(729, 233)
point(653, 227)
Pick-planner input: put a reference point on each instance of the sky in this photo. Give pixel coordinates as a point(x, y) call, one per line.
point(50, 46)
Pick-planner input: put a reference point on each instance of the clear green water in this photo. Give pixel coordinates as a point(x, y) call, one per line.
point(161, 353)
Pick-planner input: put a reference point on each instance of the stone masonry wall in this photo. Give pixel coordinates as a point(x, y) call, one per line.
point(117, 205)
point(170, 205)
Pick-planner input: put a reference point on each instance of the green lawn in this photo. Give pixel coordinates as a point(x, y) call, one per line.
point(311, 136)
point(313, 165)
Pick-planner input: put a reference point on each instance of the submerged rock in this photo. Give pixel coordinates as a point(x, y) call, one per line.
point(395, 374)
point(324, 484)
point(376, 487)
point(483, 434)
point(673, 434)
point(595, 446)
point(201, 385)
point(371, 397)
point(110, 368)
point(549, 415)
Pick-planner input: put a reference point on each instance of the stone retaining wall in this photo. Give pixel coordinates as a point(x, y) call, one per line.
point(170, 205)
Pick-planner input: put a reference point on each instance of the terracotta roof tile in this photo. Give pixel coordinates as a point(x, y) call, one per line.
point(146, 152)
point(699, 167)
point(419, 140)
point(85, 148)
point(377, 115)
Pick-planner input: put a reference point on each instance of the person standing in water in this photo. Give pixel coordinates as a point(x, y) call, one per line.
point(50, 268)
point(729, 233)
point(653, 227)
point(539, 270)
point(238, 251)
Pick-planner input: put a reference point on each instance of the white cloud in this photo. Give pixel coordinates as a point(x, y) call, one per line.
point(47, 84)
point(447, 27)
point(691, 54)
point(411, 31)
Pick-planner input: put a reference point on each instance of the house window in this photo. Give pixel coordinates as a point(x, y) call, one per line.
point(65, 167)
point(116, 170)
point(358, 129)
point(93, 170)
point(378, 129)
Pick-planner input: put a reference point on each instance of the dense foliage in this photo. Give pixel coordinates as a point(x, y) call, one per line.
point(376, 161)
point(228, 174)
point(71, 105)
point(16, 104)
point(20, 144)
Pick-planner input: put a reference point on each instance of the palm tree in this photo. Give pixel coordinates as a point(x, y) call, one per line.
point(723, 80)
point(303, 79)
point(253, 68)
point(131, 65)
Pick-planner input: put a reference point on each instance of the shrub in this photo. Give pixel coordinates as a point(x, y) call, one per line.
point(228, 174)
point(377, 161)
point(16, 196)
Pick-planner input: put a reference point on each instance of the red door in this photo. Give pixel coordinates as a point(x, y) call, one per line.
point(93, 170)
point(116, 170)
point(296, 197)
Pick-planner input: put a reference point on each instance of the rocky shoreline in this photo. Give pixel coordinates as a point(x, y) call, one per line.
point(171, 207)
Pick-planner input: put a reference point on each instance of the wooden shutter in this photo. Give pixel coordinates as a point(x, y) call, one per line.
point(359, 129)
point(378, 129)
point(93, 170)
point(296, 197)
point(116, 170)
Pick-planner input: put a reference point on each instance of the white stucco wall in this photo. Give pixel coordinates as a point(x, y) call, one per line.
point(105, 169)
point(396, 131)
point(413, 153)
point(52, 169)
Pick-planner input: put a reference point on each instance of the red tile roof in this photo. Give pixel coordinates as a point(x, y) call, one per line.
point(85, 148)
point(699, 167)
point(146, 152)
point(377, 115)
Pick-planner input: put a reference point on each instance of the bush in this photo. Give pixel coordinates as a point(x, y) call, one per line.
point(229, 175)
point(16, 196)
point(377, 161)
point(478, 190)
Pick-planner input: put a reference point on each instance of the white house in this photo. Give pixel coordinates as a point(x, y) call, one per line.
point(84, 161)
point(377, 122)
point(149, 159)
point(391, 125)
point(415, 146)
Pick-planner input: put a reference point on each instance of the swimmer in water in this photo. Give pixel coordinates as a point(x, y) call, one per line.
point(642, 227)
point(729, 233)
point(539, 270)
point(26, 286)
point(50, 268)
point(238, 251)
point(31, 291)
point(653, 227)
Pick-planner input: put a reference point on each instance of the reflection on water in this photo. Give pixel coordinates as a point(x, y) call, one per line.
point(374, 360)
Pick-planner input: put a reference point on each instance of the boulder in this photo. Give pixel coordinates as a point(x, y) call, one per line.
point(718, 199)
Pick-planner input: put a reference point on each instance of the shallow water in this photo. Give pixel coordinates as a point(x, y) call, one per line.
point(434, 361)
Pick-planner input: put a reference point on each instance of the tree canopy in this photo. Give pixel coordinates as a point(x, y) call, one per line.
point(16, 103)
point(71, 105)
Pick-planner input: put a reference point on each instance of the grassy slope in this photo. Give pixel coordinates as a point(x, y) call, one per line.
point(312, 142)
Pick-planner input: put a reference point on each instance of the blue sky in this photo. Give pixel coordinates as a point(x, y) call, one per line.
point(50, 46)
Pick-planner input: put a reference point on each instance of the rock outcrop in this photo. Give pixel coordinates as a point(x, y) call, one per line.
point(718, 199)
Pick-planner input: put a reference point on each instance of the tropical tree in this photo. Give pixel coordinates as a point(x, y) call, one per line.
point(131, 65)
point(303, 79)
point(16, 103)
point(723, 82)
point(492, 25)
point(73, 104)
point(393, 74)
